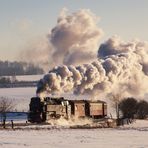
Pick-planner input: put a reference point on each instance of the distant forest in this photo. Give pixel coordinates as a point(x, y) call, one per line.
point(8, 68)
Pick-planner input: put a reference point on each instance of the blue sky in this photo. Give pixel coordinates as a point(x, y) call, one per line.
point(23, 21)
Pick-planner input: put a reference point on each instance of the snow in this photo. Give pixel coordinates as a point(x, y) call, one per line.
point(20, 96)
point(125, 137)
point(129, 136)
point(141, 125)
point(18, 93)
point(28, 77)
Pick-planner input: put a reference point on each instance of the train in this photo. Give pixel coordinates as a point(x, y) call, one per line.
point(44, 109)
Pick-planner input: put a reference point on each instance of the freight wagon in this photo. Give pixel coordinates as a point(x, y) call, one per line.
point(42, 110)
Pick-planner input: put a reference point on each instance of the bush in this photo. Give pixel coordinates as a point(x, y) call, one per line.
point(142, 109)
point(4, 80)
point(6, 105)
point(128, 107)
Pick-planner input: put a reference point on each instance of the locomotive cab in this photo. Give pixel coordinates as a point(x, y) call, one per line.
point(36, 110)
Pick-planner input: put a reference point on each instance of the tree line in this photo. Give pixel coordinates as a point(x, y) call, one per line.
point(130, 108)
point(8, 68)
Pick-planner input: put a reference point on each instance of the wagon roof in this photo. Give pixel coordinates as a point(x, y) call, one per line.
point(60, 99)
point(95, 101)
point(89, 101)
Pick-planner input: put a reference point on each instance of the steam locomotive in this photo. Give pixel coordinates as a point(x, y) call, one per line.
point(42, 110)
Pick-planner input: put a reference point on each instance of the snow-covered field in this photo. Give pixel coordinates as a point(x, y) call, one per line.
point(20, 96)
point(133, 136)
point(129, 136)
point(27, 77)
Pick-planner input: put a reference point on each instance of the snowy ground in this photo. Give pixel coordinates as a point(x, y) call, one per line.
point(27, 77)
point(133, 136)
point(20, 96)
point(129, 136)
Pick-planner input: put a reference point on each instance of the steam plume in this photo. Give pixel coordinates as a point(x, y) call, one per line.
point(73, 40)
point(75, 37)
point(120, 67)
point(38, 52)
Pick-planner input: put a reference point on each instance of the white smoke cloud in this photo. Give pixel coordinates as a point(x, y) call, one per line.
point(75, 37)
point(74, 40)
point(121, 67)
point(138, 51)
point(38, 52)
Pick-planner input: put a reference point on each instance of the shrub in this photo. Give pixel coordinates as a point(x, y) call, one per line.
point(128, 107)
point(142, 109)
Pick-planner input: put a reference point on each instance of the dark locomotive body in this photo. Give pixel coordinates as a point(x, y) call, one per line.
point(50, 108)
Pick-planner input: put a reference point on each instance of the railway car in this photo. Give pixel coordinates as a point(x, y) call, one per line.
point(96, 109)
point(77, 108)
point(42, 110)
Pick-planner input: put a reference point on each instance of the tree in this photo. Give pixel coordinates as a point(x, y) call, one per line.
point(8, 68)
point(4, 80)
point(128, 107)
point(142, 109)
point(6, 105)
point(115, 99)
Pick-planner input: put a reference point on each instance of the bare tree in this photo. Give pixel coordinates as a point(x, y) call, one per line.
point(115, 100)
point(6, 105)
